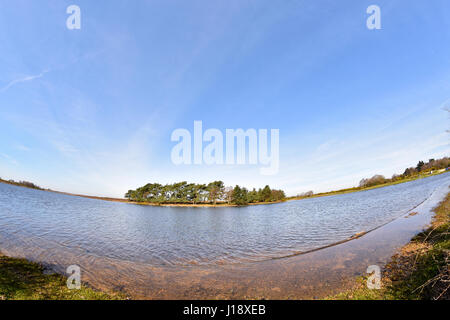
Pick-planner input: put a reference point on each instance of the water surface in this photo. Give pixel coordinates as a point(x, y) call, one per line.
point(192, 236)
point(196, 253)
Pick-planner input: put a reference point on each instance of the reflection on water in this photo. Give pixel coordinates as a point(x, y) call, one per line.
point(146, 248)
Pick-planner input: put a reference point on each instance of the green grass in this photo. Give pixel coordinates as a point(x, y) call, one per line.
point(24, 280)
point(421, 271)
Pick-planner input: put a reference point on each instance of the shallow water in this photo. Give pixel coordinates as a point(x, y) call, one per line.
point(198, 236)
point(167, 253)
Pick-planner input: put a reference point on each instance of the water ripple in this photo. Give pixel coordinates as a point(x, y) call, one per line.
point(169, 236)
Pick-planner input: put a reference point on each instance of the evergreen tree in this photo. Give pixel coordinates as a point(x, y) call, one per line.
point(266, 194)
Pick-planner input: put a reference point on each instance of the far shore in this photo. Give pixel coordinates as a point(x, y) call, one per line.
point(221, 204)
point(123, 200)
point(196, 205)
point(359, 189)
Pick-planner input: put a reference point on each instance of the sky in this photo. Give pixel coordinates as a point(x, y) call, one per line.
point(91, 111)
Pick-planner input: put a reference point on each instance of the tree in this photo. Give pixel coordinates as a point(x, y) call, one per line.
point(419, 166)
point(183, 192)
point(253, 196)
point(277, 195)
point(409, 172)
point(306, 194)
point(128, 195)
point(228, 194)
point(375, 180)
point(239, 196)
point(216, 190)
point(266, 194)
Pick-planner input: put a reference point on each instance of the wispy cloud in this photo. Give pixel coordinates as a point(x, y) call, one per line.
point(21, 147)
point(23, 79)
point(9, 158)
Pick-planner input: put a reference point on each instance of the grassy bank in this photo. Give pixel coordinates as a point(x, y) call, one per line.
point(24, 280)
point(419, 271)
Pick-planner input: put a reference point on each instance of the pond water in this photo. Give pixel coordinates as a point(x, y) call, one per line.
point(44, 225)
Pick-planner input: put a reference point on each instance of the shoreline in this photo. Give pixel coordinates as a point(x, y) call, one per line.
point(197, 205)
point(358, 189)
point(21, 279)
point(226, 205)
point(353, 237)
point(111, 199)
point(419, 270)
point(250, 285)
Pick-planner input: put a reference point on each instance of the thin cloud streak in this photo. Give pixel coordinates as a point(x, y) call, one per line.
point(24, 79)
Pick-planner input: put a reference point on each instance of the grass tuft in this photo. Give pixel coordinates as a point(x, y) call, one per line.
point(24, 280)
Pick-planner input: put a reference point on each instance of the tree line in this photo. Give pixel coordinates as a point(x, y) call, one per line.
point(212, 193)
point(26, 184)
point(421, 168)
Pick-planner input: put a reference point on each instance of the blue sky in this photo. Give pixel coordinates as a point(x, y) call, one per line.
point(92, 111)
